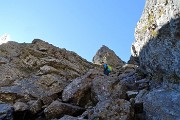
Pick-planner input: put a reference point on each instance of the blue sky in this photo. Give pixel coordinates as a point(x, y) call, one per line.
point(82, 26)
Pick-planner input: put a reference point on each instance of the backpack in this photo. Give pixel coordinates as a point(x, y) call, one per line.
point(109, 68)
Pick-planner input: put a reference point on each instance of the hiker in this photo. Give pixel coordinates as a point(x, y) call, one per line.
point(107, 69)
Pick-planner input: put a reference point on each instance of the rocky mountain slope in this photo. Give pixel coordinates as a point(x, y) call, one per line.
point(37, 71)
point(42, 82)
point(39, 81)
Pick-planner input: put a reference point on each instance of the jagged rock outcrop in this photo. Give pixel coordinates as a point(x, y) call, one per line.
point(157, 48)
point(104, 54)
point(158, 39)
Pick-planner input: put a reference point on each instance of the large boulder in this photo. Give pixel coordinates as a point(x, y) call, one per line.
point(104, 54)
point(107, 87)
point(116, 109)
point(158, 39)
point(160, 104)
point(79, 90)
point(58, 109)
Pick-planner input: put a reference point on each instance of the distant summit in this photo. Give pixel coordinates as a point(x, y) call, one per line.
point(4, 38)
point(104, 54)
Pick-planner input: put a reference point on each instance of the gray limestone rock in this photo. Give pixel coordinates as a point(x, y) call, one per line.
point(157, 47)
point(160, 104)
point(105, 87)
point(117, 109)
point(158, 39)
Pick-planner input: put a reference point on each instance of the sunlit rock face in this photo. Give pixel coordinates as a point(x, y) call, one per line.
point(4, 38)
point(157, 41)
point(37, 69)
